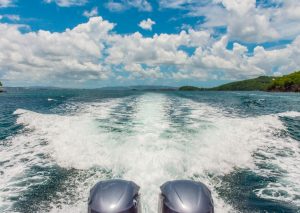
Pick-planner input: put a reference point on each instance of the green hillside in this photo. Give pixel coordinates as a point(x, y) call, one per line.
point(260, 83)
point(286, 83)
point(189, 88)
point(289, 82)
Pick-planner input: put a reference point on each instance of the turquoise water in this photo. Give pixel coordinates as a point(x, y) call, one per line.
point(55, 144)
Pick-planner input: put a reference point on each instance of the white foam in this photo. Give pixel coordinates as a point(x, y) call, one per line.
point(154, 149)
point(292, 114)
point(232, 142)
point(60, 137)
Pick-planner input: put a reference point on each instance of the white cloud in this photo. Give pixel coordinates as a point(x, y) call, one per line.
point(6, 3)
point(67, 3)
point(44, 56)
point(115, 6)
point(10, 17)
point(147, 24)
point(245, 20)
point(247, 23)
point(176, 4)
point(142, 5)
point(121, 5)
point(137, 71)
point(92, 51)
point(93, 12)
point(285, 59)
point(161, 49)
point(232, 63)
point(286, 18)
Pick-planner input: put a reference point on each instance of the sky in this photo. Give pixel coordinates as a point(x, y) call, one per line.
point(97, 43)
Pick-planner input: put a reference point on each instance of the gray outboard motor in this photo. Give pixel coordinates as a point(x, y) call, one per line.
point(185, 196)
point(114, 196)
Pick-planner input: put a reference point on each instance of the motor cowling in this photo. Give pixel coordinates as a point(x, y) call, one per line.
point(114, 196)
point(185, 196)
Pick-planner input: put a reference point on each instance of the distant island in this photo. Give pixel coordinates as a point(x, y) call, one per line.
point(1, 89)
point(192, 88)
point(142, 88)
point(286, 83)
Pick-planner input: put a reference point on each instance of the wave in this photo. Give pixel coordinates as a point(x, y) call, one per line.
point(150, 139)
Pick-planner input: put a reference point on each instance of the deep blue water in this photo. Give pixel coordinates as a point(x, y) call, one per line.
point(56, 143)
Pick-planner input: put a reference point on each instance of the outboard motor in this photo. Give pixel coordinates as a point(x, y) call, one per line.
point(185, 196)
point(114, 196)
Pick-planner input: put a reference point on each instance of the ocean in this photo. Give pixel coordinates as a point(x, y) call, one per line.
point(55, 144)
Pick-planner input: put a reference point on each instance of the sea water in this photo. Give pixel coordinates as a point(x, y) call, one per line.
point(55, 144)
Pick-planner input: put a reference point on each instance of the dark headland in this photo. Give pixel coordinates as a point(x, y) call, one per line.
point(286, 83)
point(1, 89)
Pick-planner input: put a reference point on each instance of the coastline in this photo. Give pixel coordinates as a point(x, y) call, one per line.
point(286, 83)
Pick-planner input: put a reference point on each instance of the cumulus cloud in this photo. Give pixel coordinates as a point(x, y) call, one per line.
point(67, 3)
point(163, 49)
point(6, 3)
point(93, 51)
point(137, 71)
point(116, 6)
point(245, 20)
point(93, 12)
point(121, 5)
point(211, 58)
point(146, 24)
point(176, 4)
point(41, 56)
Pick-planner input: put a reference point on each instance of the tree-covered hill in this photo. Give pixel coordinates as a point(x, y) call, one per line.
point(286, 83)
point(260, 83)
point(190, 88)
point(289, 82)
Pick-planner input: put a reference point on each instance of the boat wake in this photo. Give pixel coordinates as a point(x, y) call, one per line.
point(150, 139)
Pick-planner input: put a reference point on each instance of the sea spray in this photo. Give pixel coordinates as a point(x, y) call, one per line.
point(150, 138)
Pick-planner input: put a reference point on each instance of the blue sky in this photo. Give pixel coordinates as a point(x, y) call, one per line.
point(93, 43)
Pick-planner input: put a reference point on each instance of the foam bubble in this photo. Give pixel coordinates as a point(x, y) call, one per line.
point(151, 139)
point(47, 140)
point(292, 114)
point(234, 142)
